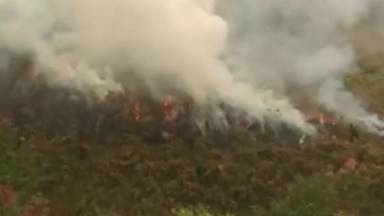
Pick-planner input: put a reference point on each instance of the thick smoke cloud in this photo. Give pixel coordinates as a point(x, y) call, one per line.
point(240, 53)
point(304, 44)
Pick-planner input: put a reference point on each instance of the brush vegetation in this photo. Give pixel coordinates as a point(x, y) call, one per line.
point(329, 177)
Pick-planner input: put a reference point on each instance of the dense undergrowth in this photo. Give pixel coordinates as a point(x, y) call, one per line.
point(337, 177)
point(241, 179)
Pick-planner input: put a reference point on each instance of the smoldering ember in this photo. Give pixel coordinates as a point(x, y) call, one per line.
point(37, 109)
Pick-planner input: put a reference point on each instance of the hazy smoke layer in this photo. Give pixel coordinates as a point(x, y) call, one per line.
point(164, 44)
point(96, 46)
point(301, 43)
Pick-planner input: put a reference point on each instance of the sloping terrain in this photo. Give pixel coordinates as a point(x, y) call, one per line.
point(329, 175)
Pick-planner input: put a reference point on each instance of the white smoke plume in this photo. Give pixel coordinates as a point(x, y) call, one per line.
point(241, 53)
point(303, 43)
point(164, 44)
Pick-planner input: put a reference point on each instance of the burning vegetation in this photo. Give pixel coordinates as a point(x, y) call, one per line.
point(38, 109)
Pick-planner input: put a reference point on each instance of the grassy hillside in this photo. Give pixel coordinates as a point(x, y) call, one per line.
point(336, 177)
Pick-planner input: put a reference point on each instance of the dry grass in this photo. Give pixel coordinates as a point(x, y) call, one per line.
point(336, 178)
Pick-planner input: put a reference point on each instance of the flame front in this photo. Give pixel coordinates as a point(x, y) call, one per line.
point(137, 111)
point(320, 118)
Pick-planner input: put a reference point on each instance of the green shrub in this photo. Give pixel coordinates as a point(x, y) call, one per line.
point(310, 197)
point(199, 211)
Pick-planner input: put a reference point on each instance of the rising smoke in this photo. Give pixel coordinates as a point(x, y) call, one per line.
point(241, 53)
point(304, 44)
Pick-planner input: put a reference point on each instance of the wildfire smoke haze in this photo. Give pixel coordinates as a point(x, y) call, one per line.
point(240, 54)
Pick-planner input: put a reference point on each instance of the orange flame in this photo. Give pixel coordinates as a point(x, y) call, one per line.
point(169, 108)
point(320, 118)
point(137, 111)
